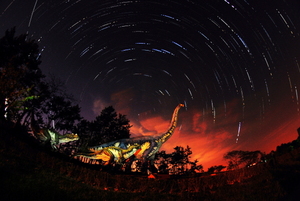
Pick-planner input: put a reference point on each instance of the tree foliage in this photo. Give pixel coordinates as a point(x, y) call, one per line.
point(238, 158)
point(25, 95)
point(177, 162)
point(19, 73)
point(107, 127)
point(111, 126)
point(59, 107)
point(216, 168)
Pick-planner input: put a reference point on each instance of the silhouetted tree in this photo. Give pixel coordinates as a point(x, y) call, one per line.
point(107, 127)
point(32, 107)
point(216, 168)
point(178, 162)
point(52, 107)
point(288, 147)
point(82, 128)
point(61, 112)
point(252, 157)
point(180, 159)
point(162, 161)
point(194, 167)
point(19, 74)
point(238, 158)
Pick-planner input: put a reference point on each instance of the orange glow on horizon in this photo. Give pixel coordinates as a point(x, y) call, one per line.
point(207, 149)
point(211, 137)
point(209, 145)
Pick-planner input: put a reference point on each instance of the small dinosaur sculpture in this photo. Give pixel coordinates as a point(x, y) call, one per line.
point(125, 150)
point(47, 136)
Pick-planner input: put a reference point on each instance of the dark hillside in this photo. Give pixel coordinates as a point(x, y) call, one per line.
point(28, 171)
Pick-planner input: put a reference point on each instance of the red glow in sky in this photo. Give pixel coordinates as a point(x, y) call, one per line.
point(208, 147)
point(211, 138)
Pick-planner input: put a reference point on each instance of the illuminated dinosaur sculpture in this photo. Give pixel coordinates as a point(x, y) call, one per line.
point(139, 148)
point(54, 138)
point(49, 136)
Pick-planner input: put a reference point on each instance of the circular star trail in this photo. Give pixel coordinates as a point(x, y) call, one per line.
point(234, 64)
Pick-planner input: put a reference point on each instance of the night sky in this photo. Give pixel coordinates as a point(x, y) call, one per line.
point(235, 64)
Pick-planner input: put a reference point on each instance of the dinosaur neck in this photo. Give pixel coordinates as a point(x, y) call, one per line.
point(165, 136)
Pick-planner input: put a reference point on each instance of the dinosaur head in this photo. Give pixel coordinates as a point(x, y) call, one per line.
point(71, 136)
point(68, 138)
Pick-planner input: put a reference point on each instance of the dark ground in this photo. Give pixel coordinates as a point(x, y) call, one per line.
point(29, 172)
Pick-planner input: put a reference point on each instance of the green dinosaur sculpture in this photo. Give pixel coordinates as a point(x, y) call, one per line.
point(49, 136)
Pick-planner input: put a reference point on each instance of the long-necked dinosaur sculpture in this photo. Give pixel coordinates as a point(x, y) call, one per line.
point(124, 150)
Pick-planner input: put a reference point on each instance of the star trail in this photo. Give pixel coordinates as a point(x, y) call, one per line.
point(234, 64)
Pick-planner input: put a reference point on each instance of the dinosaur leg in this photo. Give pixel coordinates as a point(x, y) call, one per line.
point(152, 167)
point(128, 164)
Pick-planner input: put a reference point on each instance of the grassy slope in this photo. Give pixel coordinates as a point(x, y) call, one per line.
point(28, 172)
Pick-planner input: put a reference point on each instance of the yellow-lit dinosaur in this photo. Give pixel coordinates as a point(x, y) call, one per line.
point(140, 148)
